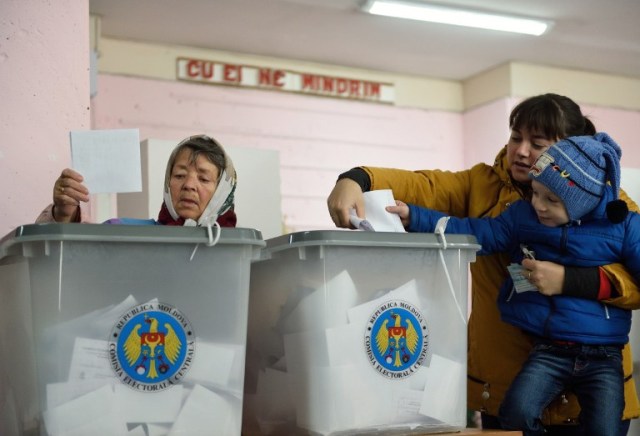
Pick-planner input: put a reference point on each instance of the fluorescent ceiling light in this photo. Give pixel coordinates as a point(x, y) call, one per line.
point(458, 17)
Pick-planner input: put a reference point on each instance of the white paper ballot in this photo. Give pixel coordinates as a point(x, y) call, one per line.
point(407, 405)
point(341, 398)
point(323, 308)
point(90, 360)
point(516, 271)
point(95, 413)
point(327, 347)
point(443, 397)
point(378, 219)
point(107, 425)
point(156, 407)
point(109, 160)
point(157, 430)
point(61, 393)
point(408, 292)
point(206, 412)
point(214, 363)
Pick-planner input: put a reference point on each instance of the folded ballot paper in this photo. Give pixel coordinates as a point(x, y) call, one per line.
point(377, 218)
point(99, 398)
point(325, 382)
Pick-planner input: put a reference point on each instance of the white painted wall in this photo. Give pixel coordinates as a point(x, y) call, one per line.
point(316, 138)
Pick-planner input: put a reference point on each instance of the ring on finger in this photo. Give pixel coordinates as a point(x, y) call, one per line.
point(529, 276)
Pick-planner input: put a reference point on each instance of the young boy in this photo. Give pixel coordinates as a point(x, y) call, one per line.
point(573, 219)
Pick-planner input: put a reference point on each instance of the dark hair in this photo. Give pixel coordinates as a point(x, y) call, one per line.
point(200, 145)
point(209, 148)
point(551, 115)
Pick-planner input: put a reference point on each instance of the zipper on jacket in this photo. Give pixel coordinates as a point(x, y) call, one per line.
point(606, 311)
point(513, 289)
point(563, 240)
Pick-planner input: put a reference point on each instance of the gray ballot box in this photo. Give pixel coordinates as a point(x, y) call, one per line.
point(122, 329)
point(358, 332)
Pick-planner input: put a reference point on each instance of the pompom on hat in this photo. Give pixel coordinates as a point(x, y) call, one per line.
point(577, 170)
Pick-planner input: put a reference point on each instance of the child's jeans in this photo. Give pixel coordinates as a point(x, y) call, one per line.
point(592, 372)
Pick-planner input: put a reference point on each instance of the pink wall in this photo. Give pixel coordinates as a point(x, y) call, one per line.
point(317, 137)
point(44, 59)
point(622, 125)
point(486, 130)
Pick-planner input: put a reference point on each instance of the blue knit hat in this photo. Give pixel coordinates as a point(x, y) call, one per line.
point(577, 170)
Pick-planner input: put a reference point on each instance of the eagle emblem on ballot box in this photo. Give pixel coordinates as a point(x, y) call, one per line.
point(397, 343)
point(152, 346)
point(153, 350)
point(396, 339)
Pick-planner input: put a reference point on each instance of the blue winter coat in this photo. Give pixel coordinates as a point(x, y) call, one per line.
point(595, 241)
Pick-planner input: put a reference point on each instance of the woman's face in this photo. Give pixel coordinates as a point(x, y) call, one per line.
point(192, 185)
point(523, 149)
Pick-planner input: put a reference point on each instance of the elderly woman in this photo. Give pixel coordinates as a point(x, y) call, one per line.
point(199, 188)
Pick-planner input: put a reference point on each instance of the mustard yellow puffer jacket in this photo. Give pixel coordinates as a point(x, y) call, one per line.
point(497, 350)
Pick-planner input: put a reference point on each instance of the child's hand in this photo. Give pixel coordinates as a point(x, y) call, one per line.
point(402, 210)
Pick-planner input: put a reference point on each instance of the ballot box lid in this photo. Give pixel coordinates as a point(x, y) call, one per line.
point(358, 238)
point(82, 232)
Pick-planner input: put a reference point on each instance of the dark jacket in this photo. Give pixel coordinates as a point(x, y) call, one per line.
point(594, 241)
point(497, 350)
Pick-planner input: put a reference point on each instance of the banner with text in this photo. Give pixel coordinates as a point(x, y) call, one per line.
point(221, 73)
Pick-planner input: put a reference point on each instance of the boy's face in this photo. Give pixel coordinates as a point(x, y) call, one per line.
point(548, 206)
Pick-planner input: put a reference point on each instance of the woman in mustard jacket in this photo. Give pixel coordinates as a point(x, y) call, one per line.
point(496, 350)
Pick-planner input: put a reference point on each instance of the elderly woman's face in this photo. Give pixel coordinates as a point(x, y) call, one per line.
point(192, 184)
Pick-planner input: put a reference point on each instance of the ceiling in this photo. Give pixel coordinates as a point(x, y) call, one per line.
point(592, 35)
